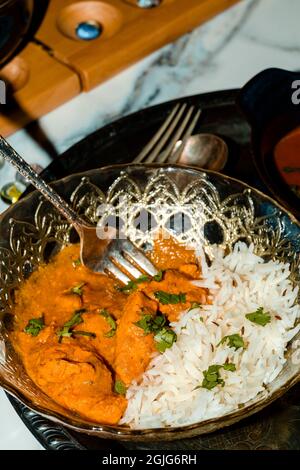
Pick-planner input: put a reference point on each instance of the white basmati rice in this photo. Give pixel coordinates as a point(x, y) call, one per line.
point(239, 283)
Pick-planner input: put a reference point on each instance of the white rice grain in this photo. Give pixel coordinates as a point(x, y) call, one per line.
point(239, 283)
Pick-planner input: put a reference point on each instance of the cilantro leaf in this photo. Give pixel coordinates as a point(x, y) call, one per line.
point(120, 387)
point(77, 290)
point(212, 376)
point(158, 322)
point(146, 323)
point(133, 285)
point(67, 330)
point(195, 305)
point(229, 366)
point(35, 326)
point(170, 299)
point(259, 317)
point(84, 333)
point(112, 323)
point(150, 323)
point(233, 341)
point(164, 339)
point(159, 276)
point(76, 262)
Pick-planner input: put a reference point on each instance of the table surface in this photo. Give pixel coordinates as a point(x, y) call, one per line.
point(224, 53)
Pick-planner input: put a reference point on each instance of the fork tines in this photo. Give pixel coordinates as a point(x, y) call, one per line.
point(126, 262)
point(169, 140)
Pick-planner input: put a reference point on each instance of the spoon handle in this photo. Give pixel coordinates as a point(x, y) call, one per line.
point(10, 155)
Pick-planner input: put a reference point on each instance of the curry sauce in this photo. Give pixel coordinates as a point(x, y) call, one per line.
point(83, 338)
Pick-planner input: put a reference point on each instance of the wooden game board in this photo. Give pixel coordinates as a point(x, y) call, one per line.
point(56, 65)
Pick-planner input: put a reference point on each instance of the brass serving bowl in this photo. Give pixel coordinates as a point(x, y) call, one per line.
point(221, 210)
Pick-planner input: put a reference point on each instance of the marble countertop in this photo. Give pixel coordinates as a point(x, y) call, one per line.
point(224, 53)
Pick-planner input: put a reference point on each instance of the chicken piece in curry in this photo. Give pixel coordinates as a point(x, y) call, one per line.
point(84, 338)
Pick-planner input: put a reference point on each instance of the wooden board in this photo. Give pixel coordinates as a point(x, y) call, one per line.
point(46, 84)
point(135, 32)
point(59, 65)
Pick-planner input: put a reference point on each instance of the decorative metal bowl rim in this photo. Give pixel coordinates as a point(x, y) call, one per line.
point(124, 166)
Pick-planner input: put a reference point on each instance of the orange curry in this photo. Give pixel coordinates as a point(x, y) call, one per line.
point(83, 339)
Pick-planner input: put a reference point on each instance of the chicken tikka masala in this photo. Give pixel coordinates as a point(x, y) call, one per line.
point(83, 338)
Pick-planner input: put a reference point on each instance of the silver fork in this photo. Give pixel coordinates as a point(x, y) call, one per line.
point(116, 257)
point(105, 255)
point(177, 128)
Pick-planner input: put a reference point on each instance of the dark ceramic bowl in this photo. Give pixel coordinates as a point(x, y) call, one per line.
point(229, 211)
point(270, 102)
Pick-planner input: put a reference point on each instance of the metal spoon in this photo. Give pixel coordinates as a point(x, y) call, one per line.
point(206, 151)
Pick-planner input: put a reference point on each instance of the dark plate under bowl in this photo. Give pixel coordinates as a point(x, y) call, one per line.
point(278, 426)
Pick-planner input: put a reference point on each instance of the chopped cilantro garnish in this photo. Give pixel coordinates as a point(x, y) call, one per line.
point(212, 376)
point(159, 276)
point(78, 290)
point(35, 326)
point(120, 387)
point(164, 337)
point(133, 285)
point(83, 333)
point(150, 323)
point(229, 366)
point(195, 305)
point(67, 331)
point(233, 341)
point(170, 299)
point(146, 323)
point(259, 317)
point(76, 263)
point(112, 323)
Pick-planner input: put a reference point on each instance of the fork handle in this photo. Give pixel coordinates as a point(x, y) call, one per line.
point(10, 155)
